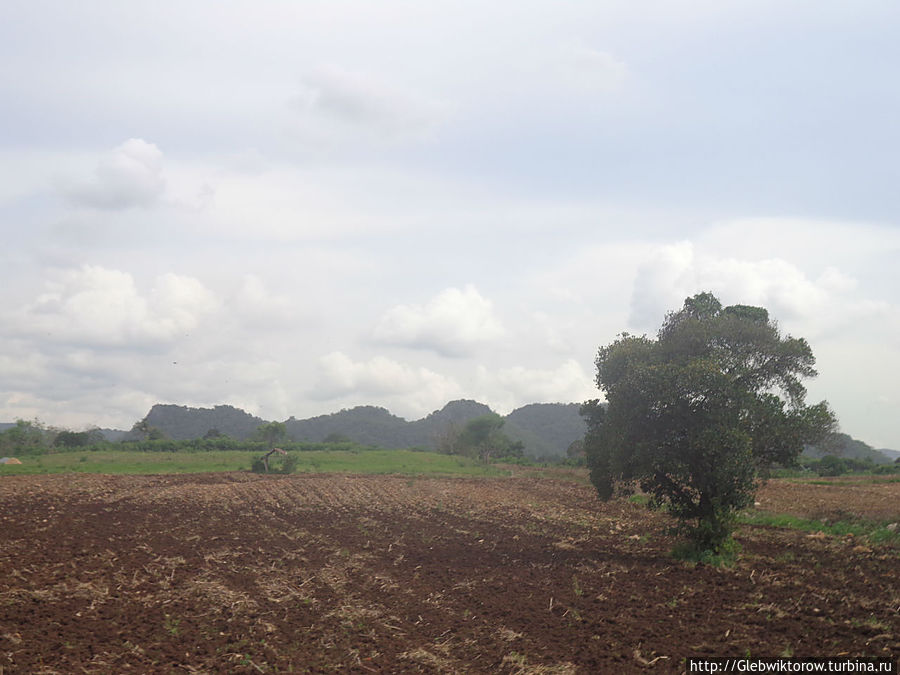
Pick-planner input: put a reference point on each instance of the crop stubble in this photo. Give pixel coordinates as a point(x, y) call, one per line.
point(318, 573)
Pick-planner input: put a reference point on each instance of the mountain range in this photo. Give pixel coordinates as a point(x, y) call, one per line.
point(545, 429)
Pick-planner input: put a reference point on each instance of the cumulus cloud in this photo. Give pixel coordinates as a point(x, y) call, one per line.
point(338, 101)
point(131, 175)
point(100, 306)
point(821, 304)
point(406, 389)
point(512, 387)
point(255, 303)
point(453, 323)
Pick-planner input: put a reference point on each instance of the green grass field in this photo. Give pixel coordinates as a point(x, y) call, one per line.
point(368, 461)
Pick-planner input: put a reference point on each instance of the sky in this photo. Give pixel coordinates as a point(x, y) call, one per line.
point(299, 207)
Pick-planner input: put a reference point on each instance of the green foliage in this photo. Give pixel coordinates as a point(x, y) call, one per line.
point(691, 551)
point(271, 433)
point(575, 455)
point(847, 447)
point(830, 465)
point(283, 464)
point(696, 414)
point(875, 532)
point(481, 438)
point(77, 439)
point(143, 429)
point(360, 460)
point(25, 438)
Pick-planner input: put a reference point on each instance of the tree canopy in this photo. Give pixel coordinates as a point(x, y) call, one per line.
point(695, 416)
point(481, 438)
point(271, 433)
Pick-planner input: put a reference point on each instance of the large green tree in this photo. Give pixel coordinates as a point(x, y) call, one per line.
point(696, 415)
point(481, 438)
point(271, 433)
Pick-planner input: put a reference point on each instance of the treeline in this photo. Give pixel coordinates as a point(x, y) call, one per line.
point(28, 438)
point(832, 465)
point(545, 429)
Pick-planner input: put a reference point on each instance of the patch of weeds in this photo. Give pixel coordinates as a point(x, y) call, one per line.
point(870, 622)
point(576, 587)
point(171, 625)
point(640, 500)
point(725, 557)
point(875, 532)
point(787, 652)
point(787, 556)
point(516, 659)
point(673, 603)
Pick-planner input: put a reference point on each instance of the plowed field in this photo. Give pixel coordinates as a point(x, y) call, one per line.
point(331, 573)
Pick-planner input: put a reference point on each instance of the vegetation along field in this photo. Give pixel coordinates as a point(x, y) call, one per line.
point(339, 572)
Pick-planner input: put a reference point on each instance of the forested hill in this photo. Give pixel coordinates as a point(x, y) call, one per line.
point(546, 429)
point(843, 445)
point(180, 422)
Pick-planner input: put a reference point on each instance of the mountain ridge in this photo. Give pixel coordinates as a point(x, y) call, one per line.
point(554, 427)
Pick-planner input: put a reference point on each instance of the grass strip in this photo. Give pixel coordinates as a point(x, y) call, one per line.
point(876, 532)
point(404, 462)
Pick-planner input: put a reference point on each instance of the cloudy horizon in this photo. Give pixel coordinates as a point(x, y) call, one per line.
point(299, 207)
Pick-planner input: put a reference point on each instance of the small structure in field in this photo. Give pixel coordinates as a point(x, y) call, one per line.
point(9, 460)
point(269, 453)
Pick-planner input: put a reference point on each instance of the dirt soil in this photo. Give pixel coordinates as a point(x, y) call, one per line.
point(239, 573)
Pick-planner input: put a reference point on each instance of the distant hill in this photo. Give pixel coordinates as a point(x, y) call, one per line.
point(428, 431)
point(368, 425)
point(892, 455)
point(113, 435)
point(843, 445)
point(376, 426)
point(546, 429)
point(181, 423)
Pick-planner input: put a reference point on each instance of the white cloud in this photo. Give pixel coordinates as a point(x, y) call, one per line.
point(129, 176)
point(852, 330)
point(452, 323)
point(674, 272)
point(255, 303)
point(508, 388)
point(334, 103)
point(407, 389)
point(100, 306)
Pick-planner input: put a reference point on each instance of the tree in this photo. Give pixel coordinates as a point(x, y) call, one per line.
point(147, 431)
point(696, 415)
point(271, 433)
point(481, 438)
point(73, 439)
point(24, 437)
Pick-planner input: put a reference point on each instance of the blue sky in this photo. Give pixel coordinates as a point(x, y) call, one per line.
point(295, 207)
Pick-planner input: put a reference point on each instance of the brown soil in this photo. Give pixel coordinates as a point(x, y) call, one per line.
point(330, 573)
